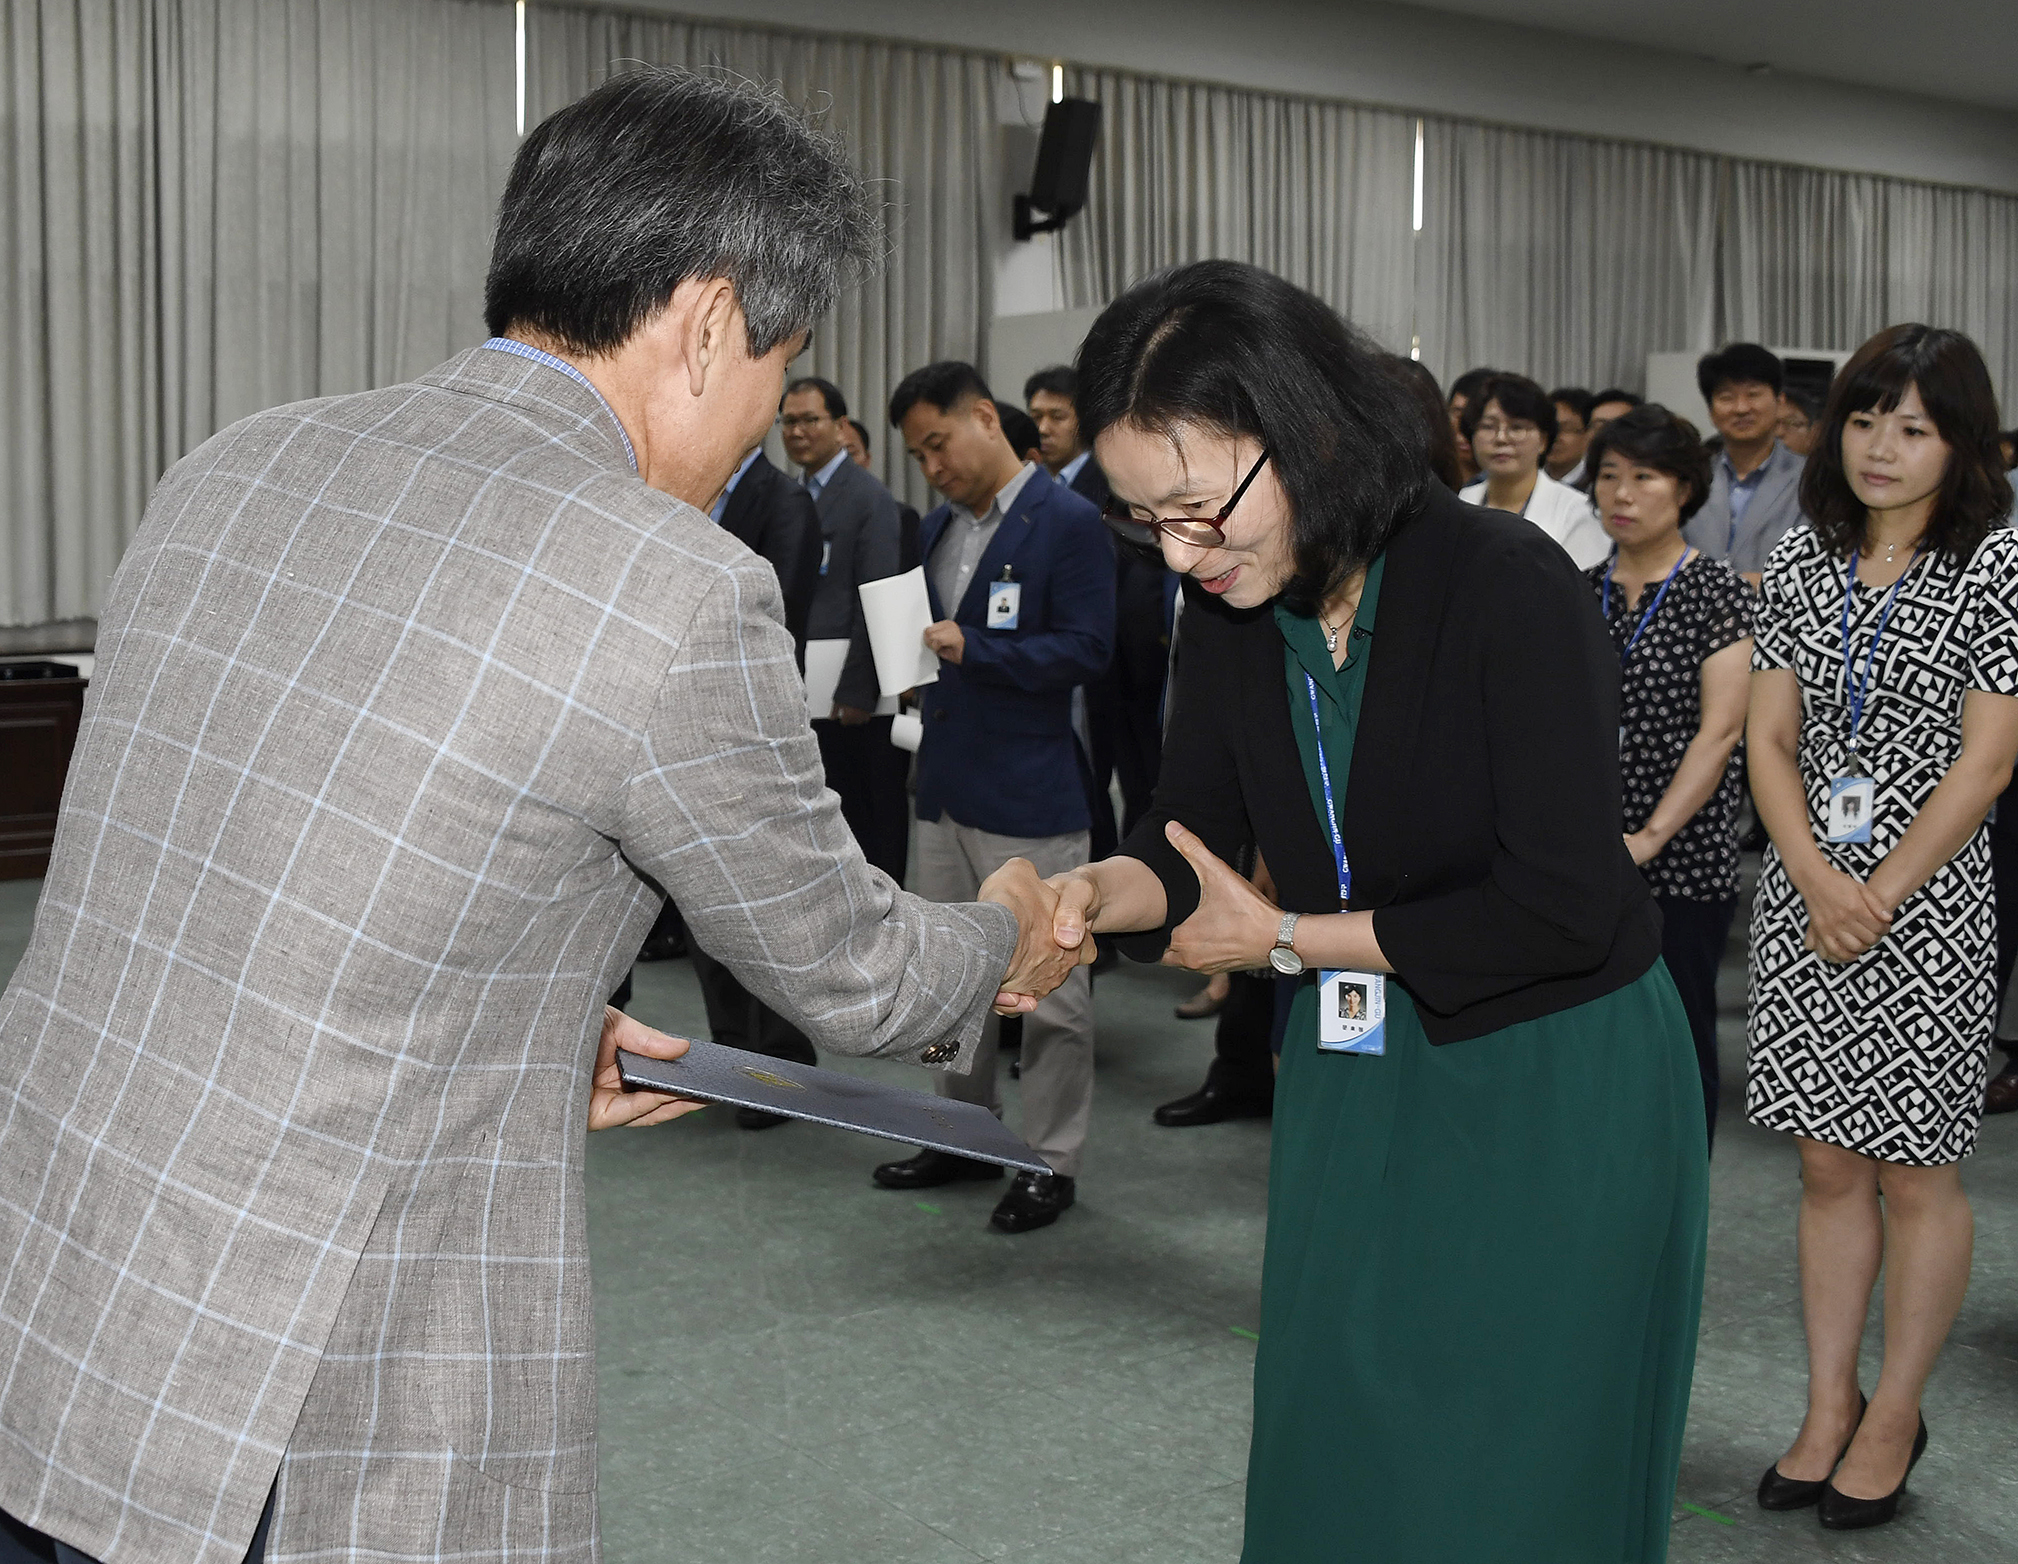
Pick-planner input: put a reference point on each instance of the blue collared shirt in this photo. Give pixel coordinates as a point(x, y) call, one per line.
point(818, 481)
point(1741, 491)
point(527, 350)
point(1069, 473)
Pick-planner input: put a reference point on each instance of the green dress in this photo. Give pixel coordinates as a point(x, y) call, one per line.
point(1484, 1266)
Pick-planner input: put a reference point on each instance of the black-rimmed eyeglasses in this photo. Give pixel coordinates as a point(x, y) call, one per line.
point(1197, 531)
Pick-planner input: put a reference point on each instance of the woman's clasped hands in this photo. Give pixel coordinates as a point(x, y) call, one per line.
point(1845, 916)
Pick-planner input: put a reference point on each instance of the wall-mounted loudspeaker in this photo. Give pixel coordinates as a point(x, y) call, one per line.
point(1064, 159)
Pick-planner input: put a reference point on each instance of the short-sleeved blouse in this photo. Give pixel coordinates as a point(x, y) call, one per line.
point(1885, 1055)
point(1707, 608)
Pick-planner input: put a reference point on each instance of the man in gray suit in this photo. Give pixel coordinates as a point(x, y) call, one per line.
point(1755, 481)
point(409, 706)
point(861, 531)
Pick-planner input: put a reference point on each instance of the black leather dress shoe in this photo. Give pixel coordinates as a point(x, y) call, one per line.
point(929, 1169)
point(758, 1119)
point(1840, 1512)
point(1790, 1493)
point(1211, 1104)
point(2002, 1096)
point(1034, 1200)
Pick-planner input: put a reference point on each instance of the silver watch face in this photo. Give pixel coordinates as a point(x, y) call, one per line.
point(1285, 961)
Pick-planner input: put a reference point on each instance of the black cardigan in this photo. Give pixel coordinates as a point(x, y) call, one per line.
point(1482, 816)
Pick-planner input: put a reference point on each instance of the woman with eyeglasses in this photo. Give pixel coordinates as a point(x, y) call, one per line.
point(1510, 425)
point(1487, 1195)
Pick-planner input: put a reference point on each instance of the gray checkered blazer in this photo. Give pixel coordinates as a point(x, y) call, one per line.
point(402, 701)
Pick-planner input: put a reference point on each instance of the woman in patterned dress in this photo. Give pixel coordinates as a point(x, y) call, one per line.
point(1884, 723)
point(1682, 623)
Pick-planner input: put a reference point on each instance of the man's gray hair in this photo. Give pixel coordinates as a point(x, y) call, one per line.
point(660, 176)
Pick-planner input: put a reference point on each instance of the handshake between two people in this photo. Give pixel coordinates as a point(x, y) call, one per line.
point(1232, 929)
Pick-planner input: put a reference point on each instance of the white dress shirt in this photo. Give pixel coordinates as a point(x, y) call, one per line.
point(1565, 514)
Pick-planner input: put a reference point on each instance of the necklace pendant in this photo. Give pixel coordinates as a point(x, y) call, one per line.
point(1331, 641)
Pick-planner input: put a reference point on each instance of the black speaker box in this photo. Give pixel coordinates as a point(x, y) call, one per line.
point(1065, 157)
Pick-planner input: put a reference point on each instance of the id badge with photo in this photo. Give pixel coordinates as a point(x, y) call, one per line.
point(1352, 1013)
point(1851, 800)
point(1005, 604)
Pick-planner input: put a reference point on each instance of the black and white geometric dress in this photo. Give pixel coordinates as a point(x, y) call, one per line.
point(1885, 1055)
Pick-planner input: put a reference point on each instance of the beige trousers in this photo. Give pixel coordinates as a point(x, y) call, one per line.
point(1057, 1072)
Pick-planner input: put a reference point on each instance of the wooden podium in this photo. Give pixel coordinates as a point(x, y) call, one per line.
point(40, 704)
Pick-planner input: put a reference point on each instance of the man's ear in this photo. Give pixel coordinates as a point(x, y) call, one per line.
point(985, 413)
point(708, 344)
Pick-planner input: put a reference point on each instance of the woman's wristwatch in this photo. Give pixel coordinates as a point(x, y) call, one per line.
point(1284, 957)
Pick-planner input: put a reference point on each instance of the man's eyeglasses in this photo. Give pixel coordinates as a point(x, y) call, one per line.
point(802, 420)
point(1196, 531)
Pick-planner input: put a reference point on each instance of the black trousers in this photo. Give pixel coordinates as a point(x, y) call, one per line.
point(1693, 936)
point(872, 777)
point(1243, 1063)
point(1125, 730)
point(737, 1019)
point(20, 1545)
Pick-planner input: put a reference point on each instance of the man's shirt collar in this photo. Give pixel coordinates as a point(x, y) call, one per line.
point(527, 350)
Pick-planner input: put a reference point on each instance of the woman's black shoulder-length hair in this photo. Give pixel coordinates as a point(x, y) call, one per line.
point(1955, 389)
point(1228, 347)
point(1651, 436)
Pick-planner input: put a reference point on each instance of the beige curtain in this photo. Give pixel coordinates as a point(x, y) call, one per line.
point(921, 121)
point(1820, 259)
point(208, 207)
point(1317, 192)
point(1563, 258)
point(1567, 258)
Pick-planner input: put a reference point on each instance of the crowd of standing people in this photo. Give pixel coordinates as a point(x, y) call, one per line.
point(1432, 710)
point(1811, 610)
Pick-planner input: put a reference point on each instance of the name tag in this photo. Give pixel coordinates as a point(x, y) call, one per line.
point(1850, 803)
point(1352, 1013)
point(1005, 604)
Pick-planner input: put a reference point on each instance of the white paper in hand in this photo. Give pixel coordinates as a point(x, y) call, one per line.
point(824, 661)
point(899, 612)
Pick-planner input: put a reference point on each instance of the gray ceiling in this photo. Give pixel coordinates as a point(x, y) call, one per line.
point(1963, 50)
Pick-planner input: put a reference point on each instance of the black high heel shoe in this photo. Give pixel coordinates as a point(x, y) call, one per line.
point(1840, 1512)
point(1777, 1492)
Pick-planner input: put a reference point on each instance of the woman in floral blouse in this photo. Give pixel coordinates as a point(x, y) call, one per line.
point(1682, 624)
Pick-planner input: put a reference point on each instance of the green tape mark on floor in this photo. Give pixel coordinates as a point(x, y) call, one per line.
point(1247, 1333)
point(924, 1207)
point(1697, 1509)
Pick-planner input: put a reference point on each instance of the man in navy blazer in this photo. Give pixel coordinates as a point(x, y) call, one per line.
point(1021, 580)
point(1124, 707)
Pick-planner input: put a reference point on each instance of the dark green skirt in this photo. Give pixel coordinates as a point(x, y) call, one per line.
point(1479, 1303)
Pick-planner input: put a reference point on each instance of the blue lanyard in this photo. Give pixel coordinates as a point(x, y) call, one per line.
point(1330, 807)
point(1855, 692)
point(1653, 608)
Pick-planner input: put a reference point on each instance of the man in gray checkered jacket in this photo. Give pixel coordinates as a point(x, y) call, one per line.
point(409, 708)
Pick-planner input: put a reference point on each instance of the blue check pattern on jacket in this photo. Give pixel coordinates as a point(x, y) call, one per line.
point(407, 705)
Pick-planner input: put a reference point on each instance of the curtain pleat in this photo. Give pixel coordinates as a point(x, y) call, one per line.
point(1566, 259)
point(921, 123)
point(212, 206)
point(208, 207)
point(1821, 259)
point(1317, 192)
